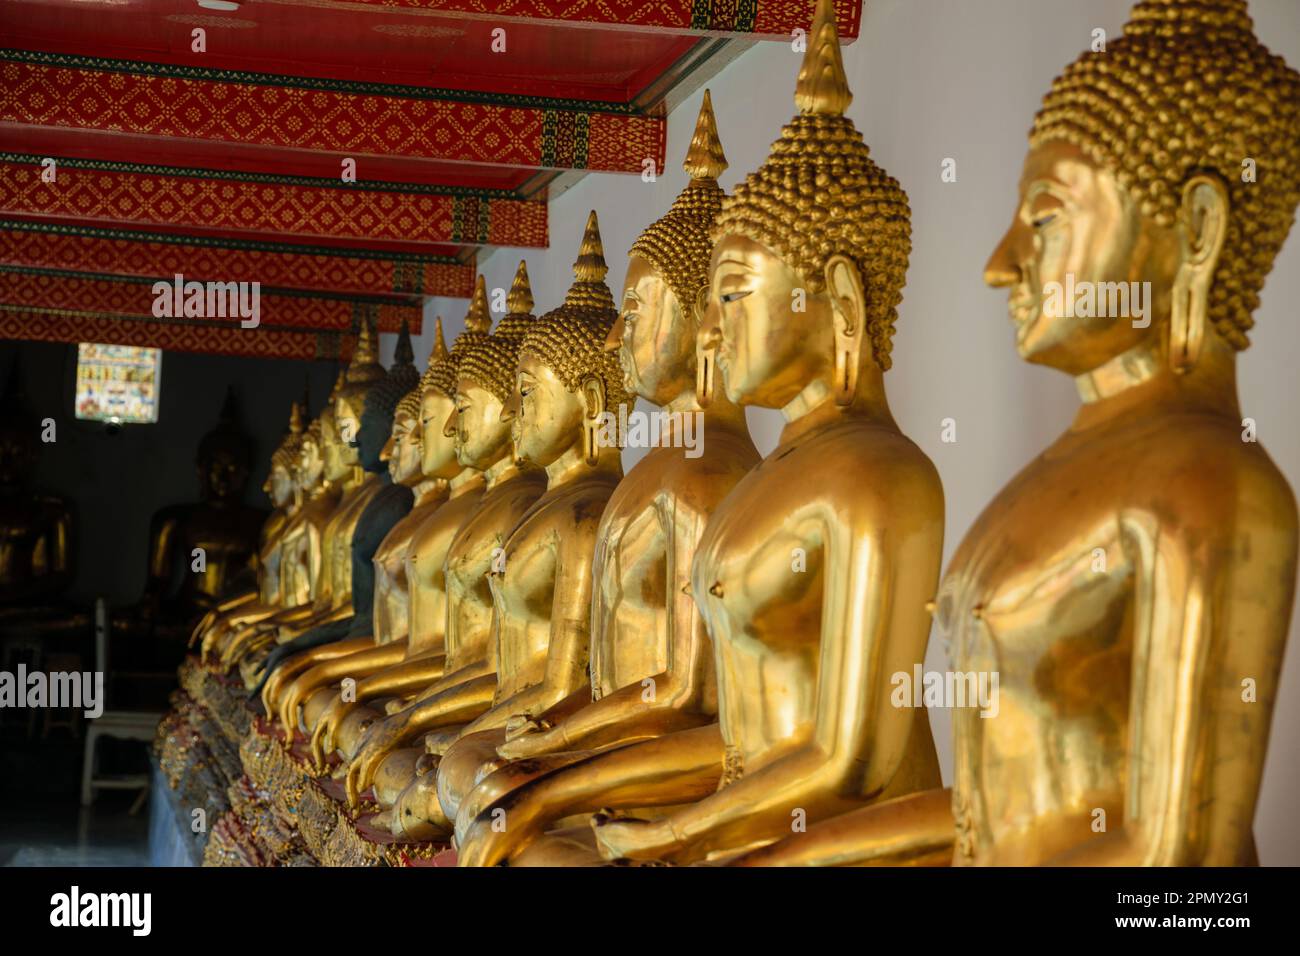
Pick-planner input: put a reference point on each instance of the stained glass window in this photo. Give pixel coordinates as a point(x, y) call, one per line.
point(118, 383)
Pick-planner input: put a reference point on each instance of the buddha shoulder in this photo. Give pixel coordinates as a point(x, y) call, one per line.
point(574, 507)
point(1211, 472)
point(854, 457)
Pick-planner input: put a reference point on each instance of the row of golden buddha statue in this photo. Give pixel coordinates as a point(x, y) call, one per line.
point(542, 660)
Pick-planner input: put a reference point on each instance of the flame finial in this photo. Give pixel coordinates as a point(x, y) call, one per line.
point(479, 319)
point(439, 351)
point(822, 88)
point(520, 299)
point(705, 158)
point(590, 265)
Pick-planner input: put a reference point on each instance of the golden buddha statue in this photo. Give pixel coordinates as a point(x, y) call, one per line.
point(421, 663)
point(392, 594)
point(366, 414)
point(813, 591)
point(539, 576)
point(264, 599)
point(651, 660)
point(35, 529)
point(220, 528)
point(279, 487)
point(414, 552)
point(1132, 586)
point(567, 382)
point(484, 383)
point(357, 486)
point(302, 581)
point(320, 475)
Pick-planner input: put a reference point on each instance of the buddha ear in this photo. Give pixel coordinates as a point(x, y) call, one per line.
point(1203, 227)
point(592, 392)
point(708, 337)
point(848, 299)
point(700, 307)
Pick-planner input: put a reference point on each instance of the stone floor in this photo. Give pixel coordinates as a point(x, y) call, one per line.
point(42, 822)
point(63, 833)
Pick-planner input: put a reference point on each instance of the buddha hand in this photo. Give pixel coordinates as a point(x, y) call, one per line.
point(322, 735)
point(629, 838)
point(201, 629)
point(531, 737)
point(379, 741)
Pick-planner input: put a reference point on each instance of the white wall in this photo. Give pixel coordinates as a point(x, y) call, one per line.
point(953, 78)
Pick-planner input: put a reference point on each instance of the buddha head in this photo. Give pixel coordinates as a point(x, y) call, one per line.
point(363, 373)
point(403, 450)
point(566, 379)
point(1160, 183)
point(309, 470)
point(438, 389)
point(335, 461)
point(225, 456)
point(280, 482)
point(487, 379)
point(810, 253)
point(667, 278)
point(381, 400)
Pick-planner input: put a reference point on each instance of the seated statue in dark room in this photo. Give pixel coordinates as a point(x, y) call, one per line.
point(199, 550)
point(35, 528)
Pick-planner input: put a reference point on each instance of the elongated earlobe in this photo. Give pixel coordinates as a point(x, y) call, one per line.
point(848, 314)
point(593, 400)
point(1204, 227)
point(707, 339)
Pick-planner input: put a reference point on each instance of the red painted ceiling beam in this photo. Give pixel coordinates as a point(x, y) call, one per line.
point(222, 108)
point(21, 324)
point(158, 255)
point(755, 18)
point(278, 310)
point(399, 217)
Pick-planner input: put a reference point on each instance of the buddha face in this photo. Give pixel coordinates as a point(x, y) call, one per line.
point(481, 435)
point(335, 461)
point(545, 417)
point(654, 338)
point(438, 454)
point(1076, 228)
point(223, 474)
point(279, 485)
point(403, 451)
point(347, 422)
point(776, 336)
point(311, 463)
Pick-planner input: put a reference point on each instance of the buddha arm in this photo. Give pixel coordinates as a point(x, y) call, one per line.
point(353, 666)
point(232, 603)
point(396, 681)
point(1209, 616)
point(873, 624)
point(161, 542)
point(457, 704)
point(566, 652)
point(671, 701)
point(59, 559)
point(279, 675)
point(913, 830)
point(293, 624)
point(670, 769)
